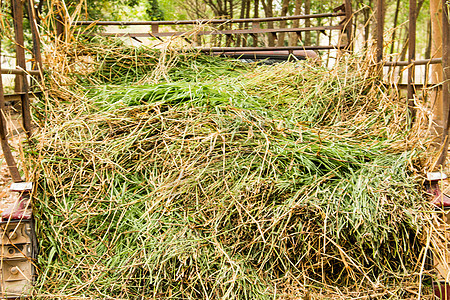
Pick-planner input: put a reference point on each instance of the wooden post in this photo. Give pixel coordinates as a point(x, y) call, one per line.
point(411, 56)
point(12, 167)
point(35, 36)
point(446, 83)
point(18, 79)
point(21, 62)
point(59, 22)
point(380, 30)
point(348, 29)
point(255, 25)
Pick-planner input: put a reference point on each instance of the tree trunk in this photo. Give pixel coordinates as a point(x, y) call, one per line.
point(397, 8)
point(429, 41)
point(247, 16)
point(284, 11)
point(375, 11)
point(307, 22)
point(241, 25)
point(256, 15)
point(294, 36)
point(268, 11)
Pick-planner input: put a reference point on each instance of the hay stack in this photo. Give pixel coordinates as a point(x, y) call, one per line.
point(211, 179)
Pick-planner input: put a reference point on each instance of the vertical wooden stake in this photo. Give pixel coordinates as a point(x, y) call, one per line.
point(446, 83)
point(21, 62)
point(348, 30)
point(60, 22)
point(411, 56)
point(35, 36)
point(380, 30)
point(12, 167)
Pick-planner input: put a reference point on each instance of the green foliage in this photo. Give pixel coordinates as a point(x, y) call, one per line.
point(153, 10)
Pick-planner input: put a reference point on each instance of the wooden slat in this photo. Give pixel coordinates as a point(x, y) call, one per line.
point(220, 32)
point(256, 49)
point(11, 99)
point(403, 63)
point(206, 21)
point(20, 72)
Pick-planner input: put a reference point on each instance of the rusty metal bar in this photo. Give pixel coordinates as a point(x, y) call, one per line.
point(19, 72)
point(220, 32)
point(21, 62)
point(12, 166)
point(35, 36)
point(446, 83)
point(256, 49)
point(348, 29)
point(380, 30)
point(206, 21)
point(420, 62)
point(411, 55)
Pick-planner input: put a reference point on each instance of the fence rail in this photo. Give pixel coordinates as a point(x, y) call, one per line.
point(206, 21)
point(252, 28)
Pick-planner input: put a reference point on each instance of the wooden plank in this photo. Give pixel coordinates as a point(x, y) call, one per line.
point(12, 166)
point(411, 55)
point(446, 83)
point(21, 62)
point(206, 21)
point(221, 32)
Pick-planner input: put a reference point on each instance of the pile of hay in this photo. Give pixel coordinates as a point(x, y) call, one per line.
point(181, 176)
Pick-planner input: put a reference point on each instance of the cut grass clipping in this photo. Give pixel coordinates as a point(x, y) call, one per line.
point(241, 184)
